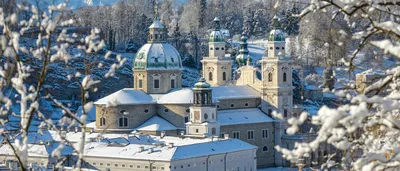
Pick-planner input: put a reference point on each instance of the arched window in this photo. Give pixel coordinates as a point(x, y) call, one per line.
point(102, 121)
point(172, 83)
point(224, 76)
point(210, 76)
point(156, 36)
point(270, 77)
point(265, 148)
point(205, 98)
point(123, 122)
point(205, 116)
point(284, 77)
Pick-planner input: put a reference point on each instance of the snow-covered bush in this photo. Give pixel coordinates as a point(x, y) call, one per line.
point(367, 129)
point(44, 38)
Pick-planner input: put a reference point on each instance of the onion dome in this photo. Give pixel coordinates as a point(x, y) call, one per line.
point(276, 34)
point(157, 54)
point(216, 35)
point(202, 84)
point(243, 56)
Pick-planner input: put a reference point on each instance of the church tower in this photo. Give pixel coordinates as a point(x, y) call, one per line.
point(203, 113)
point(157, 67)
point(276, 86)
point(217, 69)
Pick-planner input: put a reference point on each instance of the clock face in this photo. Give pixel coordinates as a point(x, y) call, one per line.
point(196, 115)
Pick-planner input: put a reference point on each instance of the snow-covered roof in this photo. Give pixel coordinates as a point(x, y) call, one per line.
point(156, 24)
point(157, 56)
point(126, 96)
point(164, 153)
point(156, 123)
point(242, 116)
point(38, 150)
point(183, 96)
point(211, 148)
point(234, 92)
point(373, 72)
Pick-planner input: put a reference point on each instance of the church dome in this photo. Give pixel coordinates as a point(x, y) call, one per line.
point(157, 56)
point(216, 35)
point(202, 84)
point(276, 34)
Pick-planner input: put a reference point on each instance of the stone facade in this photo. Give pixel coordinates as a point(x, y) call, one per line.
point(264, 158)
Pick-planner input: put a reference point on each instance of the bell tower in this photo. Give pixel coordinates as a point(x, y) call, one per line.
point(203, 113)
point(276, 86)
point(217, 69)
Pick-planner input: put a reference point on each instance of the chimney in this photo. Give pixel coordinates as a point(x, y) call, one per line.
point(170, 145)
point(150, 150)
point(141, 148)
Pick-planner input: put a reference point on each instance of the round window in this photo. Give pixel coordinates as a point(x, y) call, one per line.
point(205, 116)
point(271, 48)
point(146, 111)
point(187, 110)
point(211, 48)
point(232, 105)
point(216, 48)
point(246, 104)
point(283, 47)
point(277, 48)
point(222, 48)
point(166, 110)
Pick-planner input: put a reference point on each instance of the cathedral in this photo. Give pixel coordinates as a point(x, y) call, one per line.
point(219, 106)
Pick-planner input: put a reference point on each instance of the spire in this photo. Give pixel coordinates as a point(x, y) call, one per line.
point(243, 58)
point(217, 24)
point(155, 10)
point(275, 22)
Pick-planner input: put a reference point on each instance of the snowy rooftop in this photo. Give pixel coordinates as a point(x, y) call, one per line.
point(242, 116)
point(38, 150)
point(156, 24)
point(234, 92)
point(373, 72)
point(156, 123)
point(164, 153)
point(126, 96)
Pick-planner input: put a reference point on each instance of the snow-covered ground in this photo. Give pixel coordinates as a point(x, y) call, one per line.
point(278, 169)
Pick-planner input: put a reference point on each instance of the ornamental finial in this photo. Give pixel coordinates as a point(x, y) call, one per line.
point(155, 10)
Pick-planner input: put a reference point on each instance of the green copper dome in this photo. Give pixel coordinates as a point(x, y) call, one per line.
point(202, 84)
point(216, 35)
point(276, 34)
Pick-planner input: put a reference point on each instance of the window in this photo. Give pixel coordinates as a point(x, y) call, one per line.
point(197, 130)
point(94, 163)
point(156, 35)
point(284, 77)
point(123, 122)
point(224, 76)
point(205, 116)
point(172, 83)
point(123, 112)
point(265, 149)
point(156, 83)
point(162, 168)
point(246, 104)
point(213, 131)
point(271, 48)
point(211, 48)
point(187, 110)
point(146, 167)
point(166, 110)
point(217, 106)
point(140, 83)
point(186, 119)
point(108, 164)
point(212, 116)
point(102, 121)
point(146, 110)
point(222, 48)
point(123, 165)
point(138, 166)
point(232, 105)
point(250, 135)
point(283, 48)
point(154, 167)
point(285, 113)
point(221, 135)
point(116, 165)
point(270, 77)
point(265, 133)
point(236, 134)
point(131, 166)
point(216, 48)
point(210, 76)
point(101, 164)
point(277, 48)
